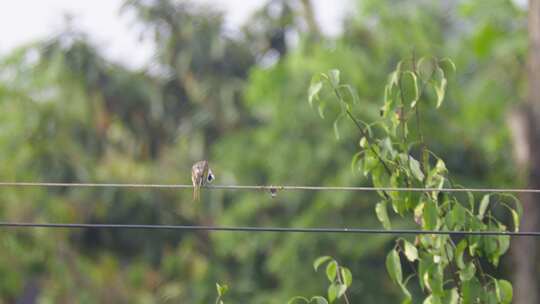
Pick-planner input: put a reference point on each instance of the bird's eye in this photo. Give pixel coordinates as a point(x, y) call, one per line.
point(210, 177)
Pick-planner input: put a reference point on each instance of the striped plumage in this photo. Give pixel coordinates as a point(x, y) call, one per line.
point(201, 174)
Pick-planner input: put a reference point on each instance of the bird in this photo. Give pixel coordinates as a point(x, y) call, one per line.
point(201, 174)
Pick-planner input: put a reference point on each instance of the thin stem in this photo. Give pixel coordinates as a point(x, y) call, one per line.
point(418, 127)
point(417, 110)
point(340, 280)
point(362, 132)
point(482, 273)
point(402, 119)
point(417, 114)
point(453, 267)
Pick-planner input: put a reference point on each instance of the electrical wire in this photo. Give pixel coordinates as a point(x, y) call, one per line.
point(264, 188)
point(266, 229)
point(272, 189)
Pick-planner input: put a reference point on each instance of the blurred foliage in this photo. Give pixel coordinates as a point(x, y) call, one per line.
point(238, 99)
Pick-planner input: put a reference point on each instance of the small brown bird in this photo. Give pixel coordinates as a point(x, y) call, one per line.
point(201, 174)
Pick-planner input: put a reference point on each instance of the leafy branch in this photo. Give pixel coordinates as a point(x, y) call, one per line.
point(446, 272)
point(340, 279)
point(222, 290)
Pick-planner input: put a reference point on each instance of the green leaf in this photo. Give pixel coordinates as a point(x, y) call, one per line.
point(423, 266)
point(491, 247)
point(298, 298)
point(390, 93)
point(515, 219)
point(440, 167)
point(419, 214)
point(435, 279)
point(451, 296)
point(415, 168)
point(363, 142)
point(456, 217)
point(382, 214)
point(484, 203)
point(448, 66)
point(505, 293)
point(387, 148)
point(430, 215)
point(393, 266)
point(460, 249)
point(394, 78)
point(504, 243)
point(320, 260)
point(342, 288)
point(314, 89)
point(332, 292)
point(395, 75)
point(470, 291)
point(356, 164)
point(439, 86)
point(354, 99)
point(409, 88)
point(370, 162)
point(318, 300)
point(331, 271)
point(488, 298)
point(432, 299)
point(379, 177)
point(516, 212)
point(333, 75)
point(221, 289)
point(346, 276)
point(497, 289)
point(468, 272)
point(410, 251)
point(448, 252)
point(475, 241)
point(321, 108)
point(405, 291)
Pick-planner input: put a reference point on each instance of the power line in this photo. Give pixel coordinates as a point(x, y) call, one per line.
point(264, 188)
point(264, 229)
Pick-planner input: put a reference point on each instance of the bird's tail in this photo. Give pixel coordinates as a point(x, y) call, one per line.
point(196, 193)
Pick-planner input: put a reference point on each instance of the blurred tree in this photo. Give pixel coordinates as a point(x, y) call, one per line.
point(200, 69)
point(238, 99)
point(527, 119)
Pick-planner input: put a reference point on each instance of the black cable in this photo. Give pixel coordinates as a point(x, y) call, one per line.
point(264, 229)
